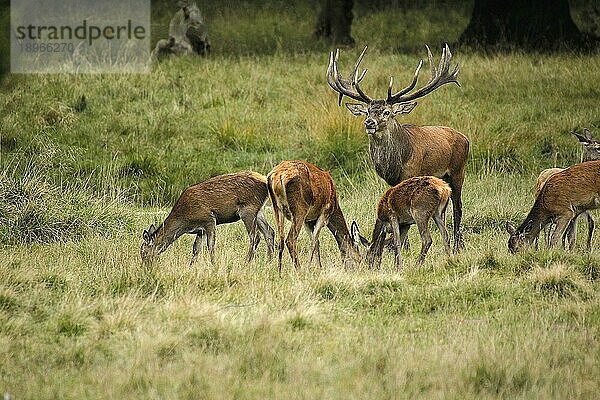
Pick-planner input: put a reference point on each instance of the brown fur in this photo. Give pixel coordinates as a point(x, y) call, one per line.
point(399, 152)
point(218, 200)
point(591, 152)
point(412, 201)
point(564, 196)
point(305, 194)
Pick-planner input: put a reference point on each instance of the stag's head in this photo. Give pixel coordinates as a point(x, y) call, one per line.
point(591, 146)
point(379, 112)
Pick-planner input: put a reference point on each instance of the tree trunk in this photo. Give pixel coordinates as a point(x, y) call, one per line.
point(334, 21)
point(524, 24)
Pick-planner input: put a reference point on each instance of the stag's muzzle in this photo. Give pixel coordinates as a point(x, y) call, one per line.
point(370, 126)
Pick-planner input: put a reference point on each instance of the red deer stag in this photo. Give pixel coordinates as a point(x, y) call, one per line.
point(218, 200)
point(305, 195)
point(413, 201)
point(565, 196)
point(591, 152)
point(400, 151)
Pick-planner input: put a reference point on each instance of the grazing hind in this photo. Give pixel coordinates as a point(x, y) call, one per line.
point(591, 152)
point(305, 194)
point(412, 201)
point(564, 196)
point(219, 200)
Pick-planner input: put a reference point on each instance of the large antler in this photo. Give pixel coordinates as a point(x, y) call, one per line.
point(347, 87)
point(439, 76)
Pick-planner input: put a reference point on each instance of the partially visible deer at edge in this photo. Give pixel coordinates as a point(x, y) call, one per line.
point(305, 195)
point(400, 151)
point(564, 196)
point(412, 201)
point(591, 152)
point(218, 200)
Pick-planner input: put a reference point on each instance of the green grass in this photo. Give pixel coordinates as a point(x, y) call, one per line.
point(81, 317)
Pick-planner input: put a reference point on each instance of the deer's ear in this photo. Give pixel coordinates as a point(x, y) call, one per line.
point(356, 236)
point(588, 135)
point(583, 139)
point(152, 230)
point(403, 108)
point(357, 108)
point(146, 236)
point(510, 228)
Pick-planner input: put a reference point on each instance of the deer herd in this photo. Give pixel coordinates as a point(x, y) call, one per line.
point(424, 165)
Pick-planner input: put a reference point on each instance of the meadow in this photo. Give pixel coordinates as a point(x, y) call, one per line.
point(81, 317)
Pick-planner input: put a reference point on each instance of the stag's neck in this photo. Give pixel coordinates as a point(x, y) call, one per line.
point(389, 151)
point(338, 227)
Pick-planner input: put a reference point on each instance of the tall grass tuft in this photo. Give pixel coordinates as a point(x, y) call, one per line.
point(33, 209)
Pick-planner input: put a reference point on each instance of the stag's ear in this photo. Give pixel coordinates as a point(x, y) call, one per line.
point(587, 134)
point(510, 228)
point(403, 108)
point(146, 236)
point(357, 108)
point(152, 230)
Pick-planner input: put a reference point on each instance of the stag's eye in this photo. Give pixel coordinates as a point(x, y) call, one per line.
point(386, 113)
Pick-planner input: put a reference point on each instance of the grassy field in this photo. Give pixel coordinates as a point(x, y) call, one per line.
point(80, 317)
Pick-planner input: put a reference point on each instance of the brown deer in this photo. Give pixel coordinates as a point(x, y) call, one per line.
point(305, 195)
point(413, 201)
point(591, 152)
point(400, 151)
point(564, 196)
point(219, 200)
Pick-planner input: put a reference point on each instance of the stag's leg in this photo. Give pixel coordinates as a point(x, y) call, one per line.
point(590, 222)
point(561, 226)
point(441, 224)
point(248, 217)
point(267, 232)
point(198, 244)
point(456, 183)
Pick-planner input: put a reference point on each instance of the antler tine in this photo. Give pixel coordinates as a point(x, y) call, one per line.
point(345, 87)
point(439, 76)
point(407, 89)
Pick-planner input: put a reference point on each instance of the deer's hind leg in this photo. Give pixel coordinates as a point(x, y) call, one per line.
point(267, 232)
point(590, 222)
point(199, 243)
point(440, 221)
point(314, 228)
point(249, 218)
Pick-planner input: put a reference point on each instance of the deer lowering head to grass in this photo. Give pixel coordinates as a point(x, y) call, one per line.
point(413, 201)
point(591, 152)
point(218, 200)
point(399, 151)
point(564, 196)
point(305, 195)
